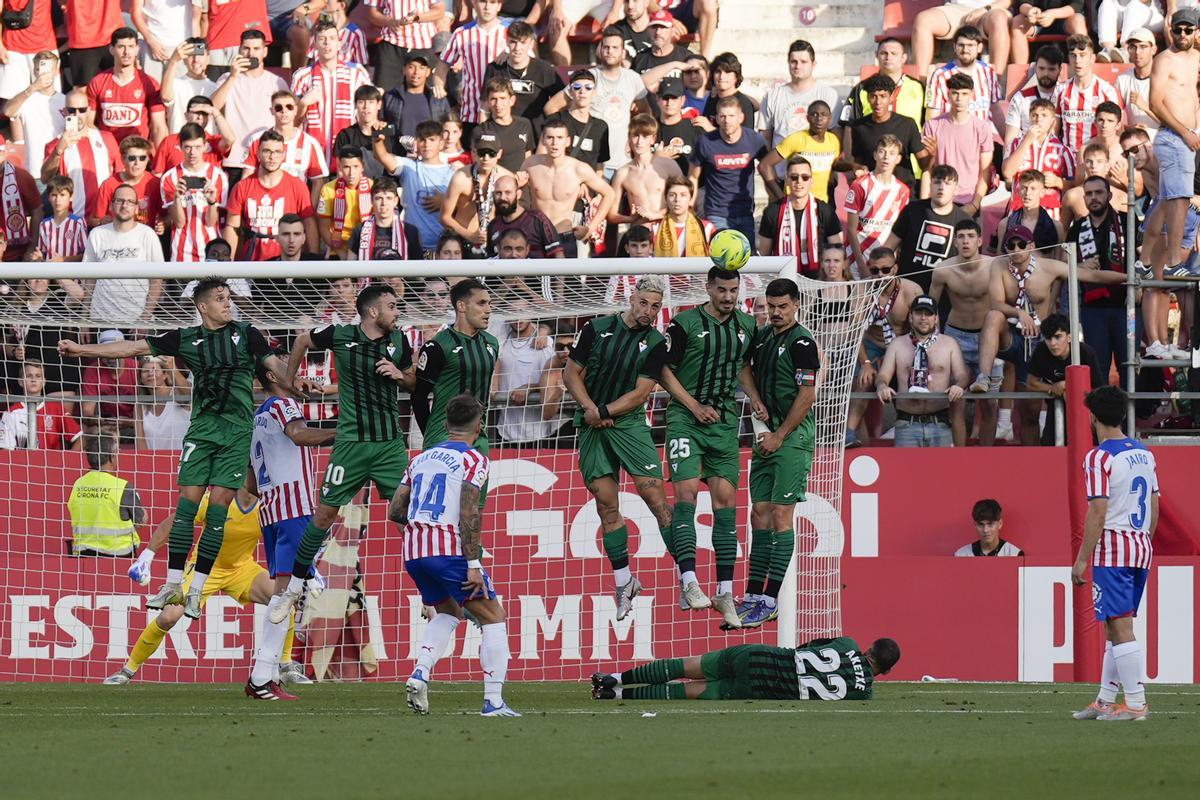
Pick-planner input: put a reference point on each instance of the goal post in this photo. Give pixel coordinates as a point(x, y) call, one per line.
point(68, 617)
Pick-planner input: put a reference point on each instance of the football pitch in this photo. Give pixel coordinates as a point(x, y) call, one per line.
point(360, 741)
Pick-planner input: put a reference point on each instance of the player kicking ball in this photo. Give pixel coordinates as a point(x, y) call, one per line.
point(1122, 490)
point(614, 365)
point(823, 669)
point(221, 355)
point(437, 503)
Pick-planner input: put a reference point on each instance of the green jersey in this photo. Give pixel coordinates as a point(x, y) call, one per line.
point(222, 364)
point(823, 669)
point(782, 363)
point(614, 356)
point(368, 403)
point(453, 363)
point(706, 356)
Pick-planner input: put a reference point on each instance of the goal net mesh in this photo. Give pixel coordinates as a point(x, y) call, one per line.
point(71, 617)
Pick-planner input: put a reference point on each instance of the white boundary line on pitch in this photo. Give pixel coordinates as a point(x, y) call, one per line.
point(630, 712)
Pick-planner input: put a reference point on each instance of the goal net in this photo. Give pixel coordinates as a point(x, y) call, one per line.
point(67, 616)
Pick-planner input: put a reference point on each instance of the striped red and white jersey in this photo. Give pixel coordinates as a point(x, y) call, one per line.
point(282, 468)
point(189, 239)
point(987, 89)
point(64, 239)
point(1050, 157)
point(303, 157)
point(474, 48)
point(88, 163)
point(418, 36)
point(335, 109)
point(1122, 471)
point(1076, 106)
point(877, 205)
point(435, 479)
point(352, 45)
point(319, 370)
point(1018, 107)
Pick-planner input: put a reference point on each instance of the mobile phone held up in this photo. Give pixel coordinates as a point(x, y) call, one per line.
point(199, 45)
point(194, 181)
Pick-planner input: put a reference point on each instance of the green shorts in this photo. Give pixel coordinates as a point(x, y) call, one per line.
point(605, 451)
point(728, 673)
point(703, 451)
point(216, 452)
point(352, 464)
point(781, 477)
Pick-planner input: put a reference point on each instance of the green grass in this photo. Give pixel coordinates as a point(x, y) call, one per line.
point(359, 741)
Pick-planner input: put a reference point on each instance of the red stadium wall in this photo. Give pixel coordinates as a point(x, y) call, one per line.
point(904, 513)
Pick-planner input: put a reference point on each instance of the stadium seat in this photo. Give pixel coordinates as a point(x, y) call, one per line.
point(898, 16)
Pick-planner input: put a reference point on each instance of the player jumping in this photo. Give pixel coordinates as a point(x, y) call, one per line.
point(785, 362)
point(823, 669)
point(614, 365)
point(373, 360)
point(708, 354)
point(1122, 490)
point(221, 355)
point(283, 470)
point(438, 503)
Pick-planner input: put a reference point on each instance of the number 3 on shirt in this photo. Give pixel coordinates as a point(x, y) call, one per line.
point(434, 500)
point(1141, 488)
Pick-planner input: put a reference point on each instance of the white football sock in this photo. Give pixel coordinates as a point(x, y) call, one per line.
point(175, 576)
point(493, 658)
point(433, 641)
point(1128, 658)
point(198, 581)
point(1110, 682)
point(296, 584)
point(623, 575)
point(688, 577)
point(1004, 417)
point(724, 587)
point(270, 645)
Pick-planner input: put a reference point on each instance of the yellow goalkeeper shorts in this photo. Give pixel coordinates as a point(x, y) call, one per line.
point(236, 582)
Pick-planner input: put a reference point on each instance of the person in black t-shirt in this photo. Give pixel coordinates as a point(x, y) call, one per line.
point(634, 28)
point(796, 239)
point(533, 80)
point(861, 136)
point(405, 107)
point(515, 133)
point(1049, 362)
point(676, 135)
point(663, 50)
point(724, 78)
point(923, 234)
point(589, 134)
point(368, 101)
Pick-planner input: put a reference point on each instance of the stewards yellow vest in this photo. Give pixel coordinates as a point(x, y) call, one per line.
point(95, 506)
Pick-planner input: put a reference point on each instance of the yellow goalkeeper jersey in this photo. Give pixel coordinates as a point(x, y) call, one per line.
point(242, 535)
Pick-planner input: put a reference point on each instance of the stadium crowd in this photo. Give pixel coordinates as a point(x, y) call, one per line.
point(430, 132)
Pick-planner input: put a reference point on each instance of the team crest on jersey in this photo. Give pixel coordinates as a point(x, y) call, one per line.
point(391, 350)
point(491, 352)
point(237, 337)
point(781, 348)
point(641, 347)
point(741, 337)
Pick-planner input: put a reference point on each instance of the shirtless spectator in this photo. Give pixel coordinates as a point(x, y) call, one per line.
point(1047, 232)
point(966, 280)
point(1108, 133)
point(1039, 148)
point(641, 183)
point(540, 236)
point(556, 183)
point(922, 362)
point(470, 199)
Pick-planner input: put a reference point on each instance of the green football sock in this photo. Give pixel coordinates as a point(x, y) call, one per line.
point(660, 671)
point(683, 533)
point(182, 531)
point(310, 543)
point(616, 547)
point(211, 537)
point(668, 691)
point(761, 541)
point(724, 539)
point(781, 555)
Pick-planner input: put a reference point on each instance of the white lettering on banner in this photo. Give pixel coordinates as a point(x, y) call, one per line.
point(177, 639)
point(1037, 652)
point(564, 622)
point(25, 627)
point(217, 626)
point(864, 508)
point(119, 606)
point(584, 536)
point(604, 619)
point(374, 627)
point(81, 635)
point(544, 524)
point(1175, 599)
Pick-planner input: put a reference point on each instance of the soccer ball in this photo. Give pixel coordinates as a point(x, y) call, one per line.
point(729, 249)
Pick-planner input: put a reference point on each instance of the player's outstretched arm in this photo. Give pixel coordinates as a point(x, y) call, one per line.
point(398, 508)
point(300, 349)
point(68, 348)
point(702, 413)
point(302, 435)
point(746, 380)
point(161, 534)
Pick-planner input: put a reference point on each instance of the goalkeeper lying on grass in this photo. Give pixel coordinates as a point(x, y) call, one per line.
point(823, 669)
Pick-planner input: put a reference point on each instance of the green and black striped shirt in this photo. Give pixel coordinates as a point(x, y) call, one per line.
point(368, 403)
point(782, 363)
point(614, 356)
point(222, 363)
point(706, 356)
point(453, 364)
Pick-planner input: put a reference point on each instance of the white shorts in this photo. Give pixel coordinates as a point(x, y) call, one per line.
point(17, 74)
point(576, 10)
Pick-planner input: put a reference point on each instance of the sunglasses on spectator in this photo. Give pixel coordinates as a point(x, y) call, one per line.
point(881, 270)
point(135, 157)
point(800, 177)
point(284, 106)
point(1015, 244)
point(583, 87)
point(486, 153)
point(1183, 30)
point(71, 111)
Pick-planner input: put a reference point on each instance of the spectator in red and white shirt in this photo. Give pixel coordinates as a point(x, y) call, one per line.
point(873, 203)
point(404, 25)
point(18, 48)
point(985, 102)
point(1076, 100)
point(257, 203)
point(1045, 74)
point(57, 428)
point(474, 48)
point(62, 236)
point(216, 147)
point(20, 208)
point(127, 100)
point(84, 154)
point(303, 156)
point(135, 155)
point(193, 194)
point(1040, 149)
point(326, 89)
point(352, 42)
point(240, 94)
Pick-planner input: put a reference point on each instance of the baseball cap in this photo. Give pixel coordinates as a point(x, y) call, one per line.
point(1140, 35)
point(1018, 233)
point(662, 18)
point(485, 140)
point(111, 335)
point(670, 87)
point(924, 303)
point(425, 56)
point(1187, 16)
